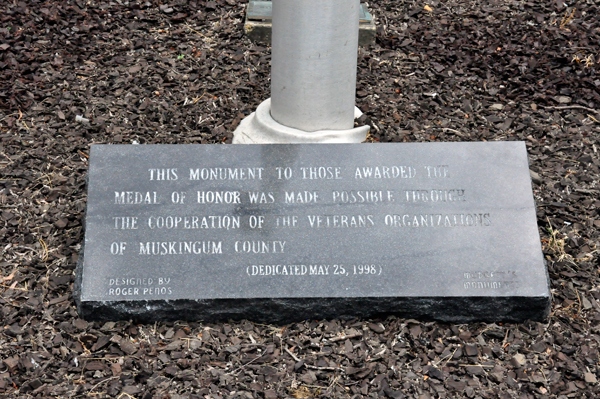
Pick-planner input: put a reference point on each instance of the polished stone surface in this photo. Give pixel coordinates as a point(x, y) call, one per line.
point(278, 233)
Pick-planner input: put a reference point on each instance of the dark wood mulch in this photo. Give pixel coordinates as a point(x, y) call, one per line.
point(183, 72)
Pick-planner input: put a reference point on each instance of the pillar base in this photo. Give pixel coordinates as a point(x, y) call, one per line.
point(260, 128)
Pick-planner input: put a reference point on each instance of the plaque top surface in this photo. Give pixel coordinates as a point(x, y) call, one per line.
point(205, 222)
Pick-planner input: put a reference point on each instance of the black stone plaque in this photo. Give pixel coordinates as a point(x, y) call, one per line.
point(278, 233)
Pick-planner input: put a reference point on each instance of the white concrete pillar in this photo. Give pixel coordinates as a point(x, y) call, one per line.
point(313, 63)
point(313, 76)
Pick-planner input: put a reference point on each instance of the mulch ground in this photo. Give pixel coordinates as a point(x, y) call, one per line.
point(76, 72)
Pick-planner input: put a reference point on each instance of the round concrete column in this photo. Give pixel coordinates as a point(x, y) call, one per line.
point(313, 76)
point(313, 64)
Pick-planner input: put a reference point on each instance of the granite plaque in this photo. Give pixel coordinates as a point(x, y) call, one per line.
point(278, 233)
